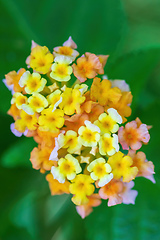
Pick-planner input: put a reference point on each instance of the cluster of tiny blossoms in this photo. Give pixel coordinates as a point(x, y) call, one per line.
point(84, 144)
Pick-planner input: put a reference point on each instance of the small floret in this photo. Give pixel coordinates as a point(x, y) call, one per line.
point(18, 99)
point(122, 105)
point(145, 167)
point(81, 87)
point(108, 144)
point(51, 121)
point(75, 122)
point(40, 59)
point(54, 97)
point(102, 92)
point(14, 111)
point(89, 135)
point(56, 187)
point(67, 49)
point(81, 187)
point(35, 103)
point(71, 101)
point(12, 80)
point(111, 191)
point(40, 159)
point(30, 121)
point(108, 122)
point(122, 167)
point(87, 67)
point(33, 83)
point(61, 70)
point(100, 170)
point(70, 141)
point(133, 136)
point(68, 167)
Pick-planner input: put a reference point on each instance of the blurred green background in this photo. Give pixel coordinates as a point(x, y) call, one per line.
point(128, 30)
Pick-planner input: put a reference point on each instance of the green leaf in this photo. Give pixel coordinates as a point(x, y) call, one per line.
point(52, 22)
point(4, 94)
point(66, 224)
point(18, 154)
point(23, 214)
point(136, 69)
point(6, 137)
point(15, 185)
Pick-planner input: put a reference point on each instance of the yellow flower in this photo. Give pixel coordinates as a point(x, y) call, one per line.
point(32, 82)
point(51, 121)
point(108, 122)
point(61, 70)
point(30, 121)
point(20, 125)
point(70, 141)
point(89, 135)
point(121, 167)
point(81, 87)
point(26, 122)
point(71, 100)
point(68, 167)
point(81, 187)
point(108, 144)
point(40, 59)
point(18, 99)
point(54, 97)
point(100, 170)
point(67, 49)
point(36, 103)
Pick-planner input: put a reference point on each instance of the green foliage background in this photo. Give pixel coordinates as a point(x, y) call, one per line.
point(129, 31)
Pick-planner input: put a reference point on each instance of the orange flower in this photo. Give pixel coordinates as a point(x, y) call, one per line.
point(122, 105)
point(112, 192)
point(57, 188)
point(95, 112)
point(14, 111)
point(45, 138)
point(12, 79)
point(102, 92)
point(87, 67)
point(75, 122)
point(40, 159)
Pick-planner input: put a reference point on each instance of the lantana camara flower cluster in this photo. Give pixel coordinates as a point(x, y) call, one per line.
point(81, 132)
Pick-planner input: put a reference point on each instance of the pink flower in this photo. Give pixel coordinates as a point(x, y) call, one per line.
point(133, 135)
point(145, 167)
point(127, 194)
